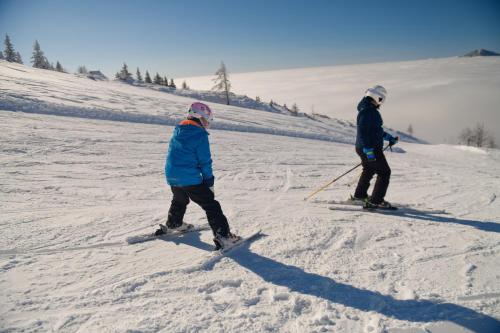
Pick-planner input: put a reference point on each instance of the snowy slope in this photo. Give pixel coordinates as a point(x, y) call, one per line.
point(439, 97)
point(39, 91)
point(73, 189)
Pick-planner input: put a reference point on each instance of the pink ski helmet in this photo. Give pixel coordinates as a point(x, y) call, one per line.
point(201, 111)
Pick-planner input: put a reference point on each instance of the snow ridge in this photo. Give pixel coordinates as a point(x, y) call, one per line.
point(37, 91)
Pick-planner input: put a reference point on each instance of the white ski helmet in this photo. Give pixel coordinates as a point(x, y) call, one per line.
point(378, 93)
point(201, 111)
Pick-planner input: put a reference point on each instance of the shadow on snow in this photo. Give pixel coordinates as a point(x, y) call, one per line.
point(428, 215)
point(297, 280)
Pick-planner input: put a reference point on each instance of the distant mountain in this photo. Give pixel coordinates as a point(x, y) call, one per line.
point(481, 53)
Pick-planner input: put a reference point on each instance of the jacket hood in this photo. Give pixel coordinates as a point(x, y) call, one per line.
point(366, 103)
point(186, 132)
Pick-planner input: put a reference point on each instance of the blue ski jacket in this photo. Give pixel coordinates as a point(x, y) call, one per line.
point(189, 161)
point(370, 133)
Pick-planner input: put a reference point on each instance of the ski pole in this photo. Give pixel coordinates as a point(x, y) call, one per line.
point(333, 181)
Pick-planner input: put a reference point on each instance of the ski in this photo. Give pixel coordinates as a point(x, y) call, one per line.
point(404, 209)
point(397, 206)
point(219, 254)
point(170, 233)
point(347, 202)
point(358, 203)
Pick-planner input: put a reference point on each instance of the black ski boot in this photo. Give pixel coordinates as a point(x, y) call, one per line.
point(165, 229)
point(384, 205)
point(222, 242)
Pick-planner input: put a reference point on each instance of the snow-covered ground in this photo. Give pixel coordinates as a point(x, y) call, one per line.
point(439, 97)
point(39, 91)
point(73, 189)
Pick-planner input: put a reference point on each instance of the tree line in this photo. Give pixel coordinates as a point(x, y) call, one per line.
point(125, 75)
point(477, 136)
point(222, 83)
point(38, 58)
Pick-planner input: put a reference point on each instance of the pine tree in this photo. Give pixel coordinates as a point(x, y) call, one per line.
point(38, 58)
point(9, 52)
point(184, 85)
point(295, 109)
point(147, 78)
point(18, 58)
point(157, 79)
point(1, 55)
point(222, 81)
point(257, 99)
point(82, 70)
point(124, 74)
point(172, 84)
point(138, 75)
point(165, 81)
point(59, 67)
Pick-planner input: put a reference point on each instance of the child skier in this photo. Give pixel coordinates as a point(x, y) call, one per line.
point(369, 146)
point(188, 170)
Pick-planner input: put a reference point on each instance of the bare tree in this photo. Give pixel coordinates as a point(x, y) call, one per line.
point(491, 142)
point(222, 81)
point(479, 137)
point(466, 136)
point(185, 86)
point(295, 109)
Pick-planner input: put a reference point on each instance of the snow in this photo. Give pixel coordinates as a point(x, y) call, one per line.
point(439, 97)
point(39, 91)
point(73, 189)
point(475, 150)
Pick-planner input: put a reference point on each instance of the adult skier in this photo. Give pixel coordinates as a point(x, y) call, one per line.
point(369, 146)
point(188, 170)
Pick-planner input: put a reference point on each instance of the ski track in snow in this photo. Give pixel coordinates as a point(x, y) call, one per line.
point(73, 189)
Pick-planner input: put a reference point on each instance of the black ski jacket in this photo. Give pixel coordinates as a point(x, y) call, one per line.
point(370, 133)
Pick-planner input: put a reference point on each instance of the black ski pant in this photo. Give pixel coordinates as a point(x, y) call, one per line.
point(381, 168)
point(204, 197)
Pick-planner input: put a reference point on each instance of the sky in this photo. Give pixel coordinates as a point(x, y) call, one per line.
point(181, 38)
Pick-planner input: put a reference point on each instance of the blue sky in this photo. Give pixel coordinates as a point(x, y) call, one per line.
point(179, 38)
